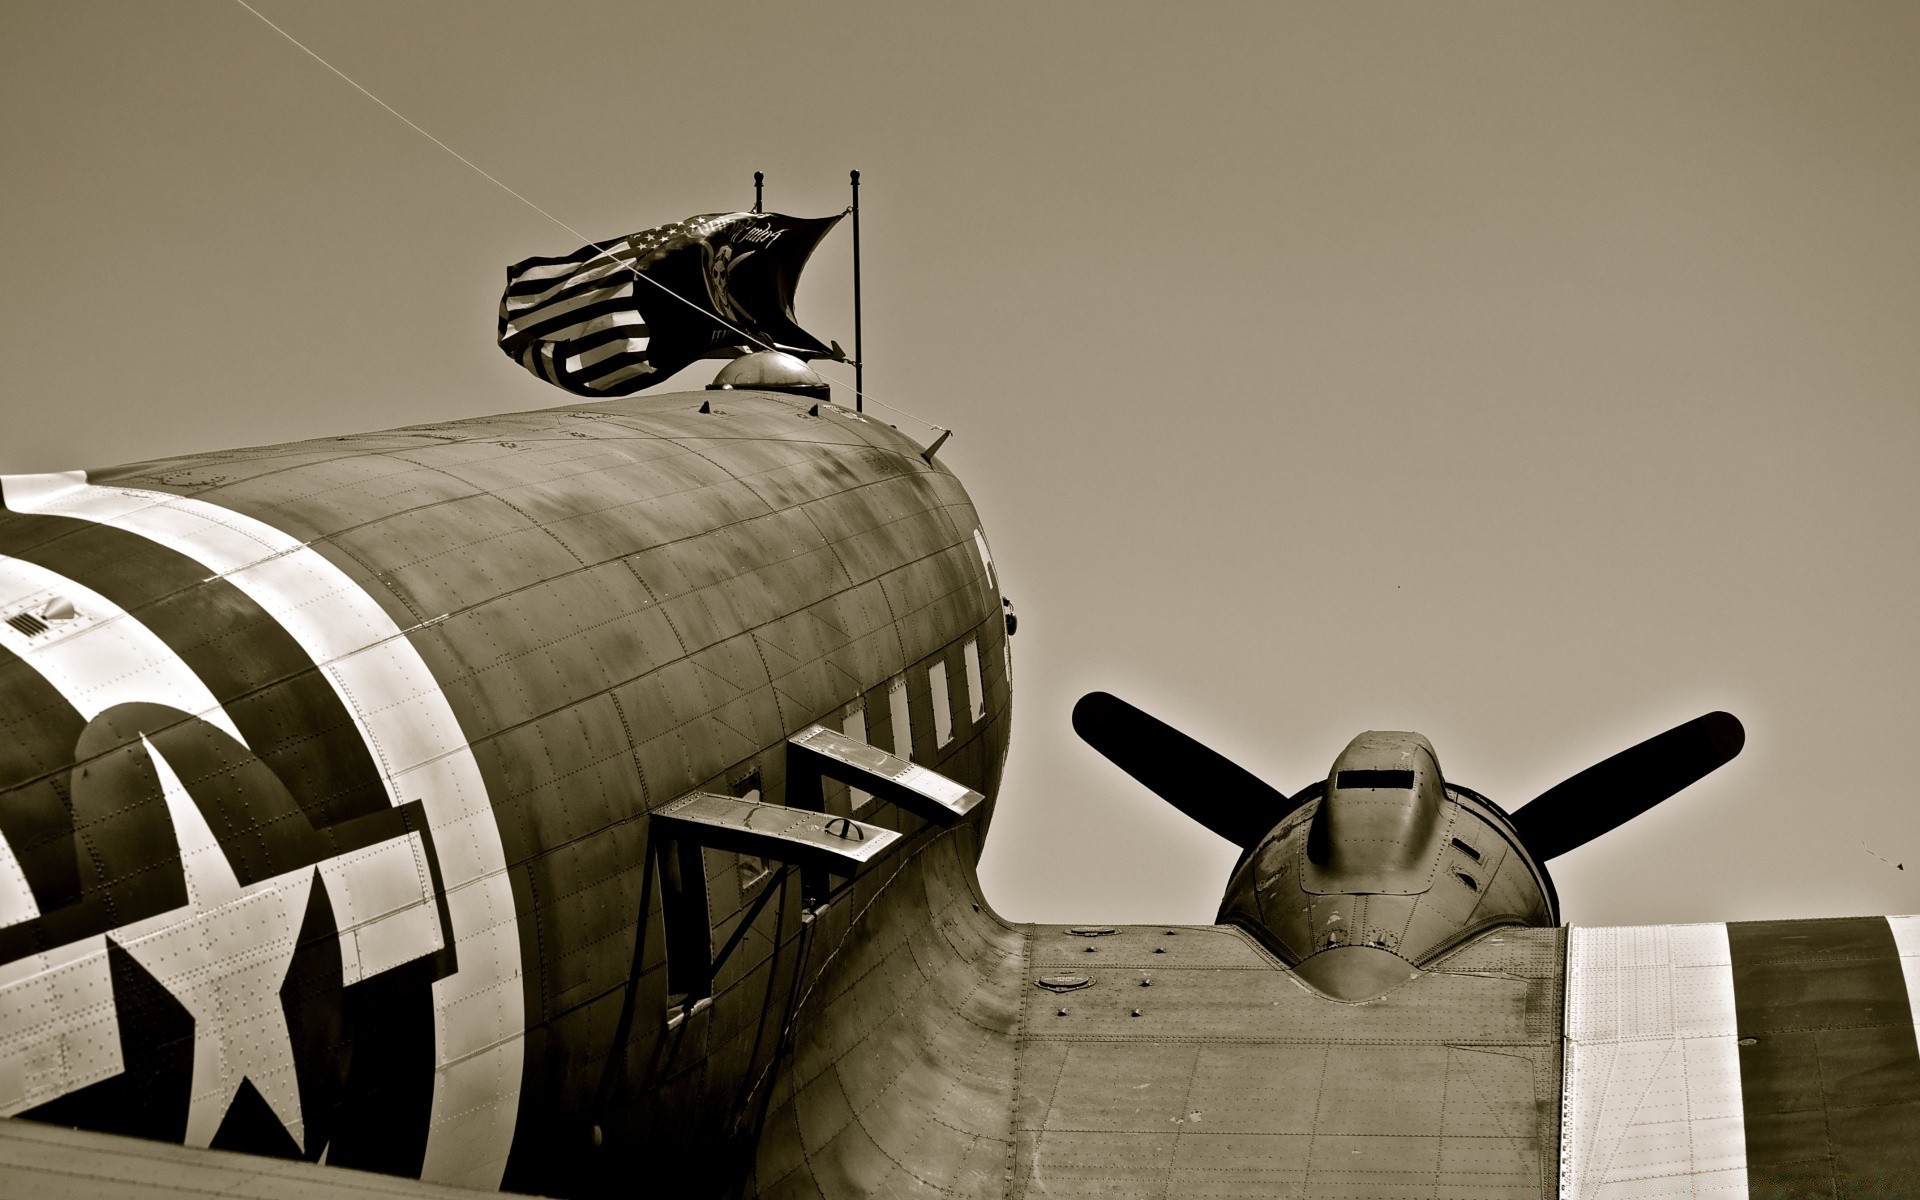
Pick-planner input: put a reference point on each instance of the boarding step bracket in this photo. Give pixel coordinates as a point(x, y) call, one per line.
point(818, 752)
point(774, 831)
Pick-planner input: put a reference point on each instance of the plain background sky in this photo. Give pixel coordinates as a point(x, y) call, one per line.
point(1533, 376)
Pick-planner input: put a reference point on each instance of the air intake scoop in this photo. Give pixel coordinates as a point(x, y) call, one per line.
point(1383, 824)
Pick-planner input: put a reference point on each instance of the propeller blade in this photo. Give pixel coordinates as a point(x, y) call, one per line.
point(1611, 793)
point(1202, 783)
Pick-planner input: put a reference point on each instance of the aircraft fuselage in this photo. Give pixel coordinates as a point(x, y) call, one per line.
point(327, 785)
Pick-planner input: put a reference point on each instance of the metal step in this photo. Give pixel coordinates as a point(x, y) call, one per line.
point(819, 751)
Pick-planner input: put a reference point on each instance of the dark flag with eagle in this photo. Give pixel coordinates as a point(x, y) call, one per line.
point(612, 318)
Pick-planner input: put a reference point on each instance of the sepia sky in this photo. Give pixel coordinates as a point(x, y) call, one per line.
point(1536, 377)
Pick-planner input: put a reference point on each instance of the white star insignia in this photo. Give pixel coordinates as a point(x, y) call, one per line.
point(224, 957)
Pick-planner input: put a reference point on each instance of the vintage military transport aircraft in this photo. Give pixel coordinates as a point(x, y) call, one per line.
point(586, 802)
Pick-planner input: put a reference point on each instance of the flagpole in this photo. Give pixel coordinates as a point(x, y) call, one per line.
point(758, 179)
point(859, 355)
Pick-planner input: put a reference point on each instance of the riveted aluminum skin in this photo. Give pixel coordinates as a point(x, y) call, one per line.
point(611, 606)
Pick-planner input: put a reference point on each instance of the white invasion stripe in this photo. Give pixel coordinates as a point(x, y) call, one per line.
point(1906, 938)
point(30, 493)
point(414, 738)
point(95, 659)
point(986, 559)
point(63, 1031)
point(100, 656)
point(1652, 1104)
point(383, 921)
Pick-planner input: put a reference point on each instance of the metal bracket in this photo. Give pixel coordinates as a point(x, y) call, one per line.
point(798, 834)
point(809, 840)
point(819, 752)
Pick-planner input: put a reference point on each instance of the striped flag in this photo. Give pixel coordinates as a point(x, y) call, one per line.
point(612, 318)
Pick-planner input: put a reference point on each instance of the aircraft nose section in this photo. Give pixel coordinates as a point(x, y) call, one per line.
point(1381, 827)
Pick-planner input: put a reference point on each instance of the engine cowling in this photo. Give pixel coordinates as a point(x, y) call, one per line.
point(1381, 869)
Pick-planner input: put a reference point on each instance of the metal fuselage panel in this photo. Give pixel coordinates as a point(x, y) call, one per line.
point(615, 605)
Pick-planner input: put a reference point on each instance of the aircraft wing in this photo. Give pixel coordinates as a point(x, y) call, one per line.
point(48, 1162)
point(1769, 1058)
point(947, 1053)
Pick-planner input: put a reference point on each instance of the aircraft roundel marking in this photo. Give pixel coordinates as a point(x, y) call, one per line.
point(422, 759)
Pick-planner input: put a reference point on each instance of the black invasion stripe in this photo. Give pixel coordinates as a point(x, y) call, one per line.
point(287, 711)
point(38, 730)
point(1829, 1071)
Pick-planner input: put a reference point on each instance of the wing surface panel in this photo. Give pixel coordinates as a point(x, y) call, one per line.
point(948, 1053)
point(1194, 1064)
point(1761, 1058)
point(1653, 1065)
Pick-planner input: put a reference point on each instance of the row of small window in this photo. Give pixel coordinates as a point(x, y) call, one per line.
point(939, 691)
point(853, 722)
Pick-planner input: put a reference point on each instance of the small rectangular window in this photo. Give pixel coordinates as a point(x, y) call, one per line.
point(986, 560)
point(941, 698)
point(855, 727)
point(976, 691)
point(902, 720)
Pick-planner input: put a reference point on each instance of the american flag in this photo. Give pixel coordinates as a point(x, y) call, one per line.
point(613, 317)
point(574, 322)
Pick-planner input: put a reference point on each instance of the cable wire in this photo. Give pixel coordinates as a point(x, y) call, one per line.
point(491, 178)
point(497, 182)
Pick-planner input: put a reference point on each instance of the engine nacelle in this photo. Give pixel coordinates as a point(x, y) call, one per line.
point(1383, 868)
